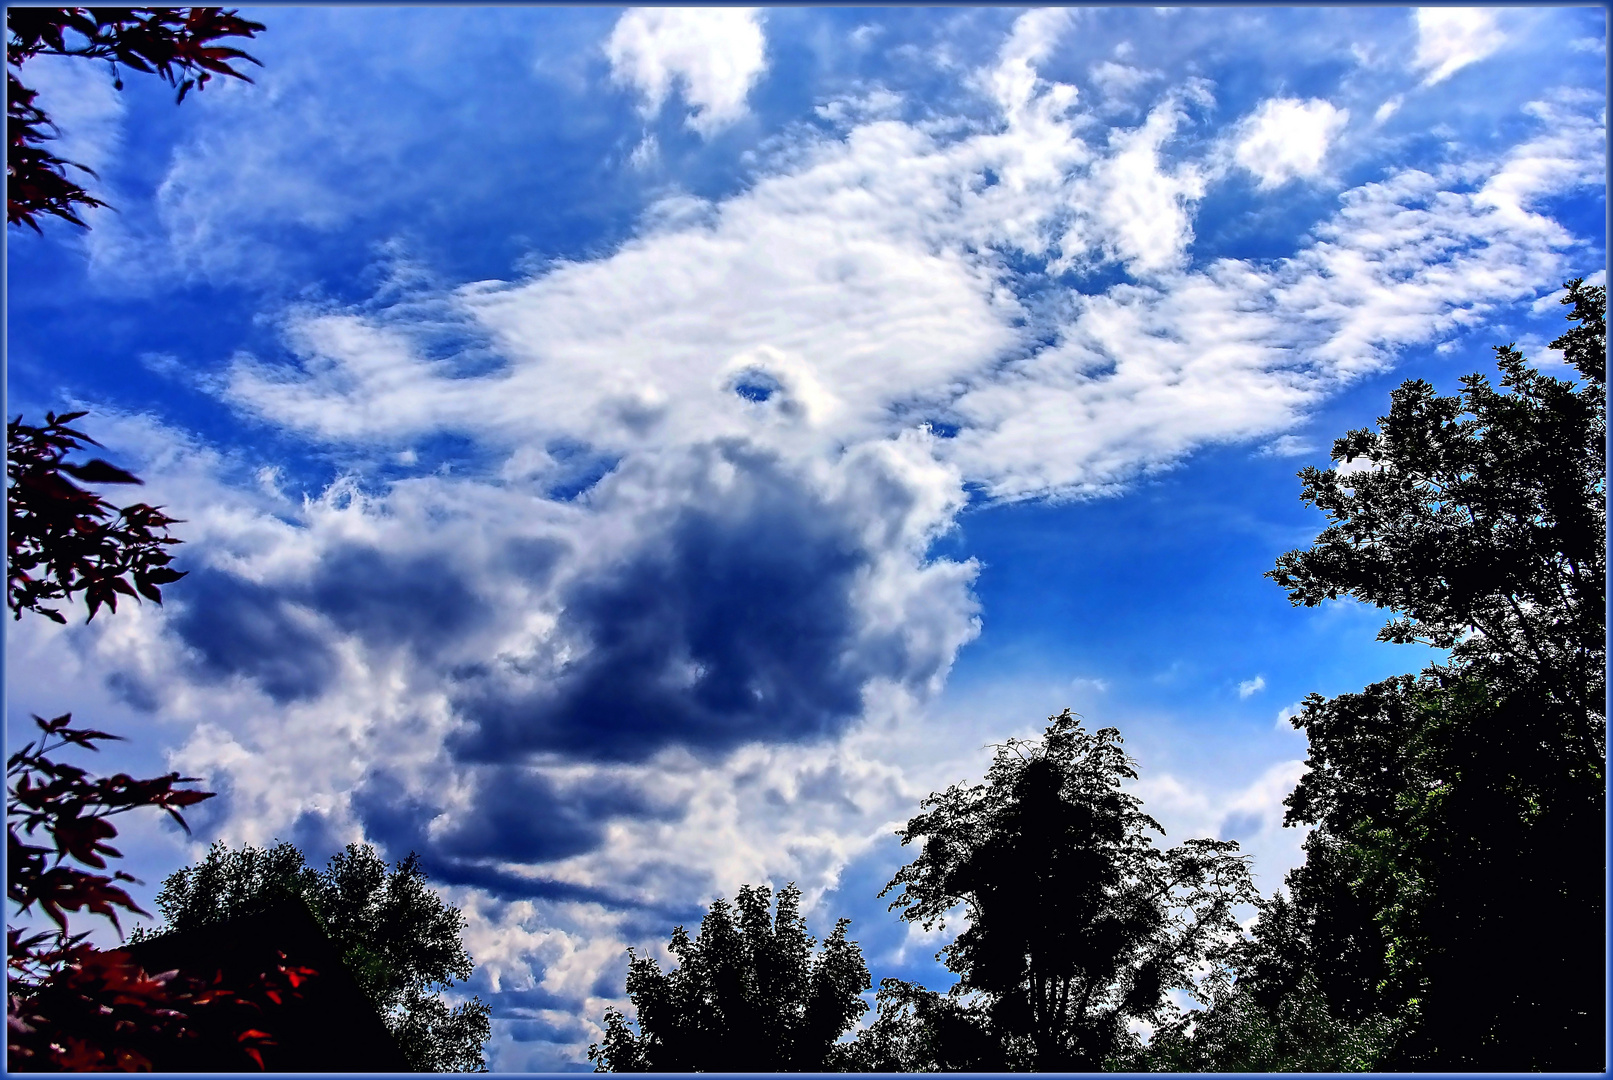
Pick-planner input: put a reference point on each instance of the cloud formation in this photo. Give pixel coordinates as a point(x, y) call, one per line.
point(1286, 138)
point(709, 465)
point(714, 55)
point(1451, 38)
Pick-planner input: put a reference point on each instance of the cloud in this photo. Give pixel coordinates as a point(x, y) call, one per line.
point(1250, 687)
point(1251, 814)
point(1287, 446)
point(1286, 138)
point(1449, 39)
point(716, 54)
point(1120, 80)
point(744, 614)
point(87, 111)
point(697, 513)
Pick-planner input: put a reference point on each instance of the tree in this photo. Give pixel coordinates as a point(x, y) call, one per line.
point(400, 940)
point(748, 995)
point(1267, 1013)
point(70, 1005)
point(62, 540)
point(1077, 924)
point(1455, 875)
point(919, 1030)
point(175, 44)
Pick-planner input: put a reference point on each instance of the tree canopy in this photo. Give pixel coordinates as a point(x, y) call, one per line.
point(1450, 911)
point(1077, 923)
point(400, 940)
point(748, 995)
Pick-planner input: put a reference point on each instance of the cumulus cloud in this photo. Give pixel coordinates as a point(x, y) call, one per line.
point(1286, 138)
point(1251, 814)
point(1451, 38)
point(1250, 687)
point(715, 55)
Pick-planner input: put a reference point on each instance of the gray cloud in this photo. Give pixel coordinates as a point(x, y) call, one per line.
point(734, 620)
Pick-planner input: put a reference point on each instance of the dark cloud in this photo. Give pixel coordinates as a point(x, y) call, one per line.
point(735, 623)
point(532, 558)
point(512, 819)
point(568, 1031)
point(521, 817)
point(1239, 825)
point(507, 1004)
point(133, 691)
point(241, 628)
point(388, 602)
point(314, 837)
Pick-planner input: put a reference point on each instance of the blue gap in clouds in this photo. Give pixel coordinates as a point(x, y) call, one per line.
point(582, 469)
point(1161, 590)
point(1235, 220)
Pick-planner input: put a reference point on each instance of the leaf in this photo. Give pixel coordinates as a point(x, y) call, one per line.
point(97, 471)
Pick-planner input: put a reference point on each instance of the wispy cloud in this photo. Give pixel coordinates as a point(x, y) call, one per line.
point(1451, 38)
point(1250, 687)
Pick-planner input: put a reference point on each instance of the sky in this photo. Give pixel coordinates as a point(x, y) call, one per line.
point(628, 454)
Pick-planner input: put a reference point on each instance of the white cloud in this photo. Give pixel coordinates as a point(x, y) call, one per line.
point(716, 54)
point(1250, 687)
point(1287, 446)
point(1450, 38)
point(1251, 814)
point(1286, 714)
point(88, 112)
point(1120, 80)
point(1286, 138)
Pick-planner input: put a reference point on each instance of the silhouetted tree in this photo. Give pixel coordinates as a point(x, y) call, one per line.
point(69, 1005)
point(1267, 1013)
point(920, 1030)
point(400, 940)
point(748, 995)
point(1077, 922)
point(1455, 879)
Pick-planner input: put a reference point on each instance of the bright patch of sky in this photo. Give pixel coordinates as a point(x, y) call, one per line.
point(625, 455)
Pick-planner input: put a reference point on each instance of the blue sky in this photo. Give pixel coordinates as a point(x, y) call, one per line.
point(628, 454)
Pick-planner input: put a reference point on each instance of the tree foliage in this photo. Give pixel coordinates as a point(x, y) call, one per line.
point(400, 940)
point(1454, 880)
point(1077, 923)
point(918, 1030)
point(178, 45)
point(748, 995)
point(70, 1005)
point(63, 540)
